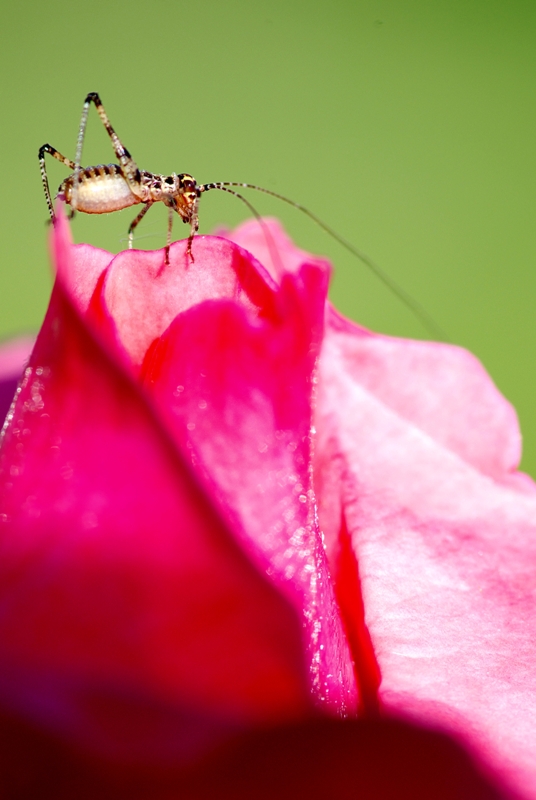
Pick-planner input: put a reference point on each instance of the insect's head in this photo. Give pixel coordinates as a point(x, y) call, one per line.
point(186, 200)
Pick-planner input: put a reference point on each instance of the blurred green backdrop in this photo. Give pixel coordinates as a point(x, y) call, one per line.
point(408, 125)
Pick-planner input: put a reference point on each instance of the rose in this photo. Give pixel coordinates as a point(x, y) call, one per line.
point(158, 465)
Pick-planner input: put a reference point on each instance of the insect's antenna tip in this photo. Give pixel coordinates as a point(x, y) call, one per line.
point(419, 312)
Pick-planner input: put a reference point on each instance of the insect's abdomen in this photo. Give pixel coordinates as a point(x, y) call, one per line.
point(100, 190)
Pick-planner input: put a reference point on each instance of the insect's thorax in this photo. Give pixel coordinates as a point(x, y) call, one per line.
point(179, 192)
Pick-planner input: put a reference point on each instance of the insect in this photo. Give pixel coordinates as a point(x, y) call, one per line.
point(112, 187)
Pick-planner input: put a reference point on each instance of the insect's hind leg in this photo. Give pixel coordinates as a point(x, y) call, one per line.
point(47, 148)
point(128, 165)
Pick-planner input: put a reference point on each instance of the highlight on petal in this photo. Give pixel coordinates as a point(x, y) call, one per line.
point(444, 534)
point(14, 354)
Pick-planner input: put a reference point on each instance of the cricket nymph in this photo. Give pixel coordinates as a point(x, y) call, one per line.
point(112, 187)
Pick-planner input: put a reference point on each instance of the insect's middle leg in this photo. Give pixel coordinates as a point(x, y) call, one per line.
point(171, 211)
point(194, 227)
point(135, 222)
point(47, 148)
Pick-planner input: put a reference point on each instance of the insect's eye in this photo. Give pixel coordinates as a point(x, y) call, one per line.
point(170, 181)
point(188, 183)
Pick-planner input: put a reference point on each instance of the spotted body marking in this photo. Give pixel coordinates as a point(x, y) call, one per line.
point(112, 187)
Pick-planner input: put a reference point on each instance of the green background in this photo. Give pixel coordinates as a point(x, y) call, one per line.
point(409, 126)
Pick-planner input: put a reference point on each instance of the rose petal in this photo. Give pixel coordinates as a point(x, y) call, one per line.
point(143, 295)
point(232, 377)
point(446, 553)
point(124, 599)
point(267, 240)
point(440, 390)
point(13, 356)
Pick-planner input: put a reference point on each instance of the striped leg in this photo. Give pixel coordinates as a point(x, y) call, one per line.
point(129, 167)
point(47, 148)
point(135, 222)
point(171, 211)
point(194, 227)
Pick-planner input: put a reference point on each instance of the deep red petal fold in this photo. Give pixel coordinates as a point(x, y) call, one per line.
point(319, 759)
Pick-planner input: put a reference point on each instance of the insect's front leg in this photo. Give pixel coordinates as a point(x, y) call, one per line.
point(135, 222)
point(194, 227)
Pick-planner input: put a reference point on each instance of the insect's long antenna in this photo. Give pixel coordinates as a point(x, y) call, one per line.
point(222, 187)
point(421, 314)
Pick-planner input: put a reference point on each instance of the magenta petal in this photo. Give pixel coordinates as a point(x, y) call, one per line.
point(143, 295)
point(13, 356)
point(233, 380)
point(417, 448)
point(271, 246)
point(126, 607)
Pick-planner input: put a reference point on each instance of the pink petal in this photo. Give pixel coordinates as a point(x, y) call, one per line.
point(416, 451)
point(230, 369)
point(269, 243)
point(143, 296)
point(130, 620)
point(13, 356)
point(80, 273)
point(441, 390)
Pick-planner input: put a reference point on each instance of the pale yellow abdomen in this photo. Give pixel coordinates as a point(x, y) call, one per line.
point(101, 190)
